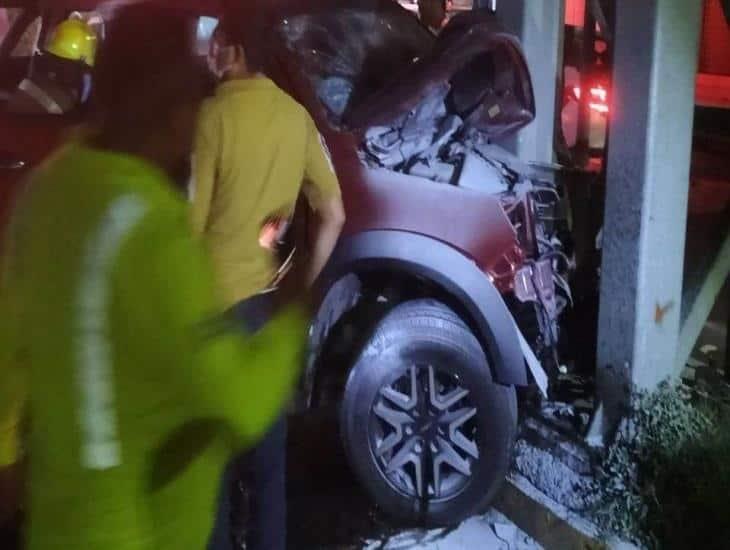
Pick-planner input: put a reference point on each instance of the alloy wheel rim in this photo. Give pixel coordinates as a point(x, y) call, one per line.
point(423, 433)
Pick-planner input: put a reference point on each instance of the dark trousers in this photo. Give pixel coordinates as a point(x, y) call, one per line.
point(252, 503)
point(266, 528)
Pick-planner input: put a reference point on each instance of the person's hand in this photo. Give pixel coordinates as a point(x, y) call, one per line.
point(293, 288)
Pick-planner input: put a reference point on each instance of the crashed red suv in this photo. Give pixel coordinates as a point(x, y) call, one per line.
point(447, 286)
point(450, 272)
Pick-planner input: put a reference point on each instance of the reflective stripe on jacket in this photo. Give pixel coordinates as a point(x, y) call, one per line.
point(136, 398)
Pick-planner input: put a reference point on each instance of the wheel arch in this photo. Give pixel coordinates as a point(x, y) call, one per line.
point(425, 258)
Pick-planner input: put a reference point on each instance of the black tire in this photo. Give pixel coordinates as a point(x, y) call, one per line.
point(423, 344)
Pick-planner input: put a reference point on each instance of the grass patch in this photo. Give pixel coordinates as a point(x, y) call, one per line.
point(664, 481)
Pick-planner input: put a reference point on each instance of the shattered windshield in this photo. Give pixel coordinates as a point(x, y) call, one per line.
point(370, 66)
point(348, 54)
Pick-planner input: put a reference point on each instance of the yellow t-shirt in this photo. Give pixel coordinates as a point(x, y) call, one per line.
point(256, 148)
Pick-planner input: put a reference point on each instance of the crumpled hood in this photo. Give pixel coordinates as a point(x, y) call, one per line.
point(371, 62)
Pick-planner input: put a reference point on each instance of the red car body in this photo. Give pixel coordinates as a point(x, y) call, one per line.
point(373, 200)
point(441, 219)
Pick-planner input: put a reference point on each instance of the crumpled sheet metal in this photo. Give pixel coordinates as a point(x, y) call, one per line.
point(371, 62)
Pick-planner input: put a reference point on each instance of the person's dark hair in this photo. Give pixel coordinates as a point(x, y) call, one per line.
point(148, 51)
point(243, 25)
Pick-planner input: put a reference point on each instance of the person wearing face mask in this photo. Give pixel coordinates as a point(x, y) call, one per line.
point(256, 150)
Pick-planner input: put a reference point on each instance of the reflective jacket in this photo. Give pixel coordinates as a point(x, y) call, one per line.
point(135, 393)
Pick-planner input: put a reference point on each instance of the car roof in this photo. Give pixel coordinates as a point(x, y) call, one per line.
point(200, 7)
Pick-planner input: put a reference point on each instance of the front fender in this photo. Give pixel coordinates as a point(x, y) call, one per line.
point(449, 269)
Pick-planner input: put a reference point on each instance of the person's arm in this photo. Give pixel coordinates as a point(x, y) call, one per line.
point(323, 193)
point(169, 291)
point(204, 167)
point(12, 403)
point(13, 384)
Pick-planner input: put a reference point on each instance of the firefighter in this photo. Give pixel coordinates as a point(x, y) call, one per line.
point(136, 391)
point(60, 78)
point(256, 150)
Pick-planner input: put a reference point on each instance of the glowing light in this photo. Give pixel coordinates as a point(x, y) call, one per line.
point(599, 107)
point(600, 93)
point(599, 98)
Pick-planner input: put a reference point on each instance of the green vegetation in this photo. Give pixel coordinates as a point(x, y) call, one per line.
point(665, 481)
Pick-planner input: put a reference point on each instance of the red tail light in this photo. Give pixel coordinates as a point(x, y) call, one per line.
point(599, 99)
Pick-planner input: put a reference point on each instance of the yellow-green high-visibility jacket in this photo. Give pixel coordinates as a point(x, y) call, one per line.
point(136, 396)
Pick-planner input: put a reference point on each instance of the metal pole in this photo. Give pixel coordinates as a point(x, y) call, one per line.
point(539, 25)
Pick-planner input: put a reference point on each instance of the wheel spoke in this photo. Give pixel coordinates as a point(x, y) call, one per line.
point(466, 445)
point(397, 420)
point(448, 455)
point(455, 420)
point(408, 455)
point(405, 402)
point(443, 402)
point(388, 443)
point(436, 469)
point(402, 457)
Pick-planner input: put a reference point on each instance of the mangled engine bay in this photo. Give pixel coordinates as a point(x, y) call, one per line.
point(435, 108)
point(433, 143)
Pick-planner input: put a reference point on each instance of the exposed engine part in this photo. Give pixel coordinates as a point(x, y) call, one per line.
point(432, 142)
point(442, 172)
point(477, 173)
point(428, 143)
point(534, 282)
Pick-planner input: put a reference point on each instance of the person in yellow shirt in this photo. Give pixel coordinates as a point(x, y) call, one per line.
point(256, 150)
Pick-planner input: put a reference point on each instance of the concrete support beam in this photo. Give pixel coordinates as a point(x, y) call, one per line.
point(546, 521)
point(539, 24)
point(655, 63)
point(703, 303)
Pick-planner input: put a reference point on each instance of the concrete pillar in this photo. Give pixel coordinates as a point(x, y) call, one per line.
point(655, 60)
point(539, 24)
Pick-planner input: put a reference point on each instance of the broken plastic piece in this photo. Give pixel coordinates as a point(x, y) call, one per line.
point(533, 364)
point(707, 349)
